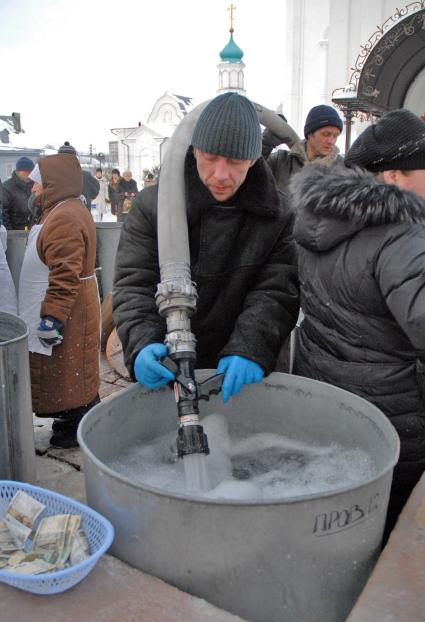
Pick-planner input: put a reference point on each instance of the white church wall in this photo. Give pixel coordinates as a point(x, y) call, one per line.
point(306, 58)
point(166, 110)
point(351, 24)
point(323, 41)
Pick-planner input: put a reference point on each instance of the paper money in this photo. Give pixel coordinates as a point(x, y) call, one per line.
point(17, 558)
point(54, 538)
point(80, 549)
point(37, 566)
point(57, 542)
point(20, 516)
point(24, 509)
point(7, 542)
point(70, 535)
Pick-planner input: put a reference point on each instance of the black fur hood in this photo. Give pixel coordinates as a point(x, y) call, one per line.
point(334, 203)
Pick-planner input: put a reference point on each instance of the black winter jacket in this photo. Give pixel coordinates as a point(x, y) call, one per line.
point(243, 262)
point(16, 193)
point(124, 186)
point(91, 187)
point(362, 274)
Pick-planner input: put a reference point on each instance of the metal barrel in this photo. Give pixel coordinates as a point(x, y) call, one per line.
point(107, 238)
point(305, 558)
point(17, 448)
point(16, 245)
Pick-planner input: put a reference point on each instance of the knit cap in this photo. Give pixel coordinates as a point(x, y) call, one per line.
point(24, 164)
point(396, 142)
point(321, 116)
point(228, 126)
point(67, 148)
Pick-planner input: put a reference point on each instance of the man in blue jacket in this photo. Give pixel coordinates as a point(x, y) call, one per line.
point(243, 258)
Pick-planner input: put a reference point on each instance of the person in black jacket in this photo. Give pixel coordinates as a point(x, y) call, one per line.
point(125, 192)
point(16, 192)
point(361, 239)
point(243, 257)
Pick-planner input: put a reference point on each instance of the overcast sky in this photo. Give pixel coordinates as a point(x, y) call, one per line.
point(76, 68)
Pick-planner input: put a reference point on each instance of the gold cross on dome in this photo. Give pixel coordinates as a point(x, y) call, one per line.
point(231, 9)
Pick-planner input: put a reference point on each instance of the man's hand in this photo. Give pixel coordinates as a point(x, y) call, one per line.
point(48, 331)
point(147, 368)
point(237, 372)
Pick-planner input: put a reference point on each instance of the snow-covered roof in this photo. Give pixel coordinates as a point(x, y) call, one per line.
point(6, 125)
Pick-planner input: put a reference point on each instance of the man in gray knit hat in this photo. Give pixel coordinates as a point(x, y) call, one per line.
point(242, 255)
point(361, 238)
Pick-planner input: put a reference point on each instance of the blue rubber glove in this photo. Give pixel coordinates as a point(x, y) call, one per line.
point(148, 370)
point(48, 331)
point(237, 372)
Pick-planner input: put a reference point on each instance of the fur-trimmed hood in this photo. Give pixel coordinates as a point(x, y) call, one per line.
point(332, 204)
point(258, 194)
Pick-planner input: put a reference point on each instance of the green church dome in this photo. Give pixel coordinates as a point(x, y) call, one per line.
point(231, 53)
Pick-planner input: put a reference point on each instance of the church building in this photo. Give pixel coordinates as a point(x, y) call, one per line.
point(141, 148)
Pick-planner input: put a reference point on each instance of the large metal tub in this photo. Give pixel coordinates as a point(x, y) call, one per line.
point(107, 238)
point(17, 449)
point(302, 559)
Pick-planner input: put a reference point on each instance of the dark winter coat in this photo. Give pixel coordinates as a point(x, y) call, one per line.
point(284, 163)
point(15, 202)
point(362, 275)
point(113, 198)
point(69, 378)
point(124, 186)
point(91, 188)
point(243, 262)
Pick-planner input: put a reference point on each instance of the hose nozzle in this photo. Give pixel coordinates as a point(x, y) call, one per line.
point(191, 439)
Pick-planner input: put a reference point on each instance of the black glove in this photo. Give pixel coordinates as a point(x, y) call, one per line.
point(270, 140)
point(48, 331)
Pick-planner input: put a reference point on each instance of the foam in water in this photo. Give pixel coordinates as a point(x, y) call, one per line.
point(260, 467)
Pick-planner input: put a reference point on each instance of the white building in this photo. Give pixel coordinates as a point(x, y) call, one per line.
point(141, 147)
point(230, 69)
point(365, 56)
point(374, 48)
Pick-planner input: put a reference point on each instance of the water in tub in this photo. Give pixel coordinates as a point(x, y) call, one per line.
point(262, 466)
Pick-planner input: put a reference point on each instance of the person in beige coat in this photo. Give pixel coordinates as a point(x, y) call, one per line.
point(102, 199)
point(59, 301)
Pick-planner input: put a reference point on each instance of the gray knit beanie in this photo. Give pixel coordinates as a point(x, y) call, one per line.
point(67, 148)
point(229, 127)
point(396, 142)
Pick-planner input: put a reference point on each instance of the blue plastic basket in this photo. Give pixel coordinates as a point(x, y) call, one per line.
point(98, 530)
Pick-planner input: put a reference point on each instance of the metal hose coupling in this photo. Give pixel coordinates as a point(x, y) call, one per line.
point(191, 438)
